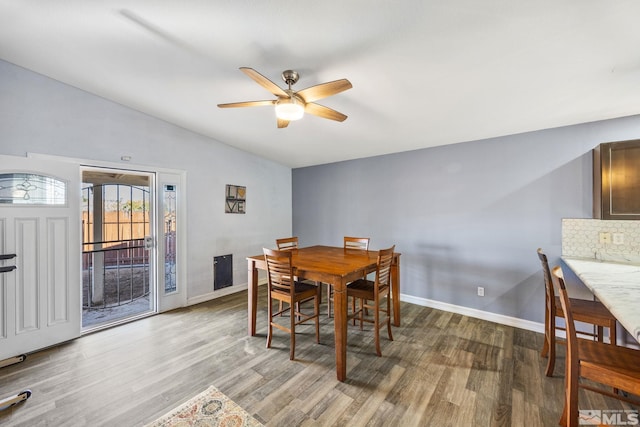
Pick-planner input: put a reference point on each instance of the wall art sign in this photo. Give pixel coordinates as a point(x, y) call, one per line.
point(235, 199)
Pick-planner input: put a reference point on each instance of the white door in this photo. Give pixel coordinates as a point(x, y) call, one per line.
point(40, 223)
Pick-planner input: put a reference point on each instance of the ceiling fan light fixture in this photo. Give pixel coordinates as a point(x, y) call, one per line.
point(290, 105)
point(289, 109)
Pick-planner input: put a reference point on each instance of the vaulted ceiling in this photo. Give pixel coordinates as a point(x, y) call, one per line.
point(424, 72)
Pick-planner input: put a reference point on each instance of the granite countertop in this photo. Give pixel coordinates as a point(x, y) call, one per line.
point(616, 285)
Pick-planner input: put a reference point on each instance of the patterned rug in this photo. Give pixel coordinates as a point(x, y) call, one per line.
point(209, 408)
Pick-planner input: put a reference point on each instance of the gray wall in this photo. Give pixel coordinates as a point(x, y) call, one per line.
point(41, 115)
point(465, 215)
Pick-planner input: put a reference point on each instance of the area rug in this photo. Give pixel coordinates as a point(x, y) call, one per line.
point(209, 408)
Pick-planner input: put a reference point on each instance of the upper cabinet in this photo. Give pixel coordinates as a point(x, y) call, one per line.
point(616, 180)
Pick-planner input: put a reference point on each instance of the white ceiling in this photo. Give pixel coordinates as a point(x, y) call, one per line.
point(424, 72)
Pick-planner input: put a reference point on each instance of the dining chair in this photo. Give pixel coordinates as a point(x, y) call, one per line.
point(365, 290)
point(355, 243)
point(290, 244)
point(287, 243)
point(283, 287)
point(586, 311)
point(360, 243)
point(612, 366)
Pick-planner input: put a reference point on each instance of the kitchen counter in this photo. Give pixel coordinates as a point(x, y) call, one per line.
point(616, 285)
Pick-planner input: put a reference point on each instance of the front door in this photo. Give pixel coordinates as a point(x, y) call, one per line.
point(40, 224)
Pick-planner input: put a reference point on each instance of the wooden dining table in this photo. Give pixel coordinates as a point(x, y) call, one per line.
point(336, 266)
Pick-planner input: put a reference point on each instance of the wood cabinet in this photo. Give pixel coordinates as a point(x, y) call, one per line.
point(616, 180)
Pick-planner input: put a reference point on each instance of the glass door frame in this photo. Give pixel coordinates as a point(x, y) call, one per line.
point(161, 177)
point(122, 243)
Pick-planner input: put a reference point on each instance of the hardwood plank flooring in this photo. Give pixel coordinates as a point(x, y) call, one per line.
point(442, 369)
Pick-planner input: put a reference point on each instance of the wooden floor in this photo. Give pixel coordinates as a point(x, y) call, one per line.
point(442, 369)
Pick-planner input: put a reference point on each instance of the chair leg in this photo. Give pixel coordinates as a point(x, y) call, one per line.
point(613, 340)
point(389, 319)
point(317, 313)
point(570, 412)
point(329, 299)
point(319, 292)
point(550, 339)
point(319, 285)
point(376, 327)
point(270, 319)
point(545, 345)
point(353, 310)
point(293, 317)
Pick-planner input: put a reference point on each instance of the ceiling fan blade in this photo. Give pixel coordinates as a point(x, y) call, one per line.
point(246, 104)
point(264, 82)
point(282, 123)
point(324, 90)
point(324, 112)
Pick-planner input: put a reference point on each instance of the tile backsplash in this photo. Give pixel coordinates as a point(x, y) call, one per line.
point(582, 238)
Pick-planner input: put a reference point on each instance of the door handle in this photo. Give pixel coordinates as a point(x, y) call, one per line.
point(8, 268)
point(148, 243)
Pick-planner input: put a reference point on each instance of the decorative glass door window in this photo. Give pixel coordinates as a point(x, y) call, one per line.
point(170, 226)
point(32, 189)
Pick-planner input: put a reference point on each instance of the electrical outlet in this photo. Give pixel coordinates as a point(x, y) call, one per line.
point(618, 238)
point(605, 237)
point(480, 291)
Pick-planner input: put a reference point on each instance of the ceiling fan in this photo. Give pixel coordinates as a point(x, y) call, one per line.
point(292, 105)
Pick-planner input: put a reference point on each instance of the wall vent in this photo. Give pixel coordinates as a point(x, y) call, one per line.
point(222, 271)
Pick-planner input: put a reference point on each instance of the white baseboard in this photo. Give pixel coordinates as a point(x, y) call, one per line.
point(221, 293)
point(478, 314)
point(465, 311)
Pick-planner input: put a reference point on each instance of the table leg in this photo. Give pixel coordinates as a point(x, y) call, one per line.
point(395, 289)
point(340, 325)
point(252, 296)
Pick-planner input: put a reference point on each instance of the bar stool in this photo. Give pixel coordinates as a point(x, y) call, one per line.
point(613, 366)
point(349, 243)
point(586, 311)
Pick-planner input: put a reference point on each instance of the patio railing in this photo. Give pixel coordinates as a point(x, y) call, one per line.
point(114, 275)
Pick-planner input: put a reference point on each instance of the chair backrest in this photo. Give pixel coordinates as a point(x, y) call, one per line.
point(279, 270)
point(550, 294)
point(361, 243)
point(572, 337)
point(287, 244)
point(383, 267)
